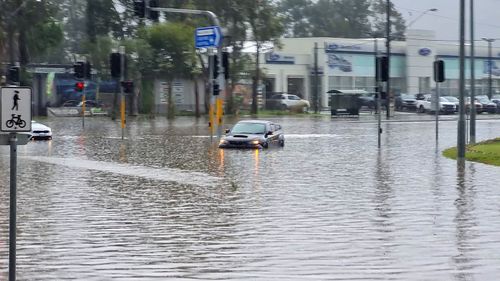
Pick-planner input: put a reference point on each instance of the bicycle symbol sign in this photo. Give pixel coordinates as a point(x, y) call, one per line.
point(15, 106)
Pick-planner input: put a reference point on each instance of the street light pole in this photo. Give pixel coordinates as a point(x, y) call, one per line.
point(490, 62)
point(421, 15)
point(388, 46)
point(461, 118)
point(472, 132)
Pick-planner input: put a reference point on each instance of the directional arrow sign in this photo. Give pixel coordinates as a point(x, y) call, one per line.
point(210, 36)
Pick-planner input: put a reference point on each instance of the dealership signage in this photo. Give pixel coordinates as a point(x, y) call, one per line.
point(279, 58)
point(424, 52)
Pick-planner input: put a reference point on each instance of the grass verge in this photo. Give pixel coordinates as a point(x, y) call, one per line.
point(487, 152)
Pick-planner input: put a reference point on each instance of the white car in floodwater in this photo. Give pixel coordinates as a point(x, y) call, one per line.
point(40, 132)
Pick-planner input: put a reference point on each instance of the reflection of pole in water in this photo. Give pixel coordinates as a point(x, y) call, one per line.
point(464, 223)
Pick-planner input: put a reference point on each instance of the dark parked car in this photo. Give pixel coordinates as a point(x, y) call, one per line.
point(488, 106)
point(253, 134)
point(406, 102)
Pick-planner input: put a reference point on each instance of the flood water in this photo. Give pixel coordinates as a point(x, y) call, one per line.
point(166, 204)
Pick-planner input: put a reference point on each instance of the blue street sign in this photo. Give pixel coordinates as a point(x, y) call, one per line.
point(210, 36)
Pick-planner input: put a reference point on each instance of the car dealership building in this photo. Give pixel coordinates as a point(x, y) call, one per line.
point(350, 64)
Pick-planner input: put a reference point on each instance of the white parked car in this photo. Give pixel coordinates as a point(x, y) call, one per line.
point(287, 101)
point(427, 105)
point(40, 132)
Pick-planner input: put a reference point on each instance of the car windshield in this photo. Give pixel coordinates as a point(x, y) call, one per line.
point(441, 99)
point(452, 99)
point(249, 128)
point(407, 97)
point(292, 97)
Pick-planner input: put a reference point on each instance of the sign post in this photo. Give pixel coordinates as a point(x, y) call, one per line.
point(15, 106)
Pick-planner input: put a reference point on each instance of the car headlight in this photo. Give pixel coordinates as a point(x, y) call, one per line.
point(254, 142)
point(222, 141)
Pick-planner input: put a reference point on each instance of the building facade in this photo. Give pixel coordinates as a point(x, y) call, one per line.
point(350, 64)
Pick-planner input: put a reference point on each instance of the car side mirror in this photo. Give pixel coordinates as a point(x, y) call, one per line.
point(227, 131)
point(269, 133)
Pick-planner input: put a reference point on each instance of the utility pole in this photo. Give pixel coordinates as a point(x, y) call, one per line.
point(472, 132)
point(388, 46)
point(490, 65)
point(461, 119)
point(316, 78)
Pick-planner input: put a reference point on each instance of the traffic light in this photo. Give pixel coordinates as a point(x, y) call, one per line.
point(79, 70)
point(153, 15)
point(215, 67)
point(115, 64)
point(225, 64)
point(439, 71)
point(79, 86)
point(13, 75)
point(382, 69)
point(216, 89)
point(88, 70)
point(140, 8)
point(128, 86)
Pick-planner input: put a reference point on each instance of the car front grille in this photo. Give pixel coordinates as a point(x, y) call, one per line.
point(41, 132)
point(237, 142)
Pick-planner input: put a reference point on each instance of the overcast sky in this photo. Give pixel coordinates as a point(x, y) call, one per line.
point(445, 21)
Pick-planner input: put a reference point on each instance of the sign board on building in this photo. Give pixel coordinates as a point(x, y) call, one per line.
point(206, 37)
point(275, 58)
point(15, 106)
point(178, 92)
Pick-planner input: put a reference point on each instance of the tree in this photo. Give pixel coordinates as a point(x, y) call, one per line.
point(265, 26)
point(379, 25)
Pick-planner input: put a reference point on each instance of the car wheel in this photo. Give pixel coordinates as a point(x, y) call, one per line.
point(421, 109)
point(282, 143)
point(265, 144)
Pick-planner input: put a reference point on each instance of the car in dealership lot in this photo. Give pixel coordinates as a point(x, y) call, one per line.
point(40, 131)
point(253, 134)
point(496, 99)
point(477, 105)
point(406, 102)
point(287, 102)
point(487, 104)
point(427, 105)
point(454, 100)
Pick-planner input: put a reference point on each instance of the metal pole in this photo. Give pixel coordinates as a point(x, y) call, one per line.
point(122, 97)
point(13, 199)
point(472, 77)
point(316, 78)
point(437, 111)
point(461, 120)
point(388, 46)
point(489, 67)
point(212, 98)
point(377, 90)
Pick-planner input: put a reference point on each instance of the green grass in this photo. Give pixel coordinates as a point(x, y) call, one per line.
point(487, 152)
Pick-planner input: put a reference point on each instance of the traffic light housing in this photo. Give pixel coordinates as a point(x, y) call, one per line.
point(439, 71)
point(225, 64)
point(88, 70)
point(79, 69)
point(128, 86)
point(153, 15)
point(79, 86)
point(115, 65)
point(13, 75)
point(140, 8)
point(215, 67)
point(216, 89)
point(382, 69)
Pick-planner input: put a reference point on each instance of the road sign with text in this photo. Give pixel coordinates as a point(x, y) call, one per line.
point(206, 37)
point(15, 109)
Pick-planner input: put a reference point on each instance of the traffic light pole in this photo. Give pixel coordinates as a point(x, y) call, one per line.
point(220, 70)
point(122, 97)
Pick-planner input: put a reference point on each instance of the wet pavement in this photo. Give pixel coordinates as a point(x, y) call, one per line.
point(166, 204)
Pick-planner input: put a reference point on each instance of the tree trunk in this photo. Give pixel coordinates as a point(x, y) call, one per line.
point(170, 102)
point(256, 81)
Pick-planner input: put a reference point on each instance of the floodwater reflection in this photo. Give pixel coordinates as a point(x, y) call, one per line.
point(166, 203)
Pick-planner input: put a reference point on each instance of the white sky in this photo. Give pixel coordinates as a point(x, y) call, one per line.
point(445, 22)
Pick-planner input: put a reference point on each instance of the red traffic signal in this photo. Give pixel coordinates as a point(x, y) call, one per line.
point(79, 86)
